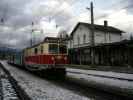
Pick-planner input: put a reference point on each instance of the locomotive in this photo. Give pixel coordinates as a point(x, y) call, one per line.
point(51, 55)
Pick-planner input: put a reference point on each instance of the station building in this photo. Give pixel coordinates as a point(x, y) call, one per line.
point(109, 48)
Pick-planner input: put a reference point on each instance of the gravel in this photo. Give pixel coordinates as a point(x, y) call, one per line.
point(41, 89)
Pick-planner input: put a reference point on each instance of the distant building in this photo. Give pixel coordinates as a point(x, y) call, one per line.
point(80, 36)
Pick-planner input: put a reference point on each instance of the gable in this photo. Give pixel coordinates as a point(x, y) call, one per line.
point(81, 30)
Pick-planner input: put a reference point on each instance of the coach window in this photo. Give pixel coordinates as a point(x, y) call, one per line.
point(36, 50)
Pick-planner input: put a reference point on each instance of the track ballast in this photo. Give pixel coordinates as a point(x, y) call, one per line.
point(9, 88)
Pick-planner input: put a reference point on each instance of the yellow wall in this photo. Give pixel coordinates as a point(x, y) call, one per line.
point(31, 51)
point(45, 48)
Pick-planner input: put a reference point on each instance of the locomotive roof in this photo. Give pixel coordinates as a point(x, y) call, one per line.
point(49, 40)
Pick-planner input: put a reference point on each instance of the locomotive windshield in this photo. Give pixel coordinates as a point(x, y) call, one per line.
point(55, 49)
point(63, 49)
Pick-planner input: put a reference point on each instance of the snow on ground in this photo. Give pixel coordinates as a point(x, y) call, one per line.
point(105, 81)
point(103, 73)
point(40, 89)
point(8, 91)
point(108, 84)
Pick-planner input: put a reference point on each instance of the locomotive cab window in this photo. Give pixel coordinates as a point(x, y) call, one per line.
point(53, 48)
point(35, 50)
point(63, 49)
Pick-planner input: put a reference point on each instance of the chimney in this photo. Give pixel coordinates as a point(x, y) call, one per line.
point(105, 29)
point(105, 23)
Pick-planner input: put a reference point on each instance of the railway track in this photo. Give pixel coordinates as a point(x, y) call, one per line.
point(83, 87)
point(118, 85)
point(9, 88)
point(102, 76)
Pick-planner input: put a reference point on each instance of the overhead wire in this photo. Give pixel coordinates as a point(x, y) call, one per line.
point(129, 6)
point(99, 17)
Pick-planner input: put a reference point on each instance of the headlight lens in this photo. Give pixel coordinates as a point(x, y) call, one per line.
point(52, 58)
point(59, 57)
point(65, 58)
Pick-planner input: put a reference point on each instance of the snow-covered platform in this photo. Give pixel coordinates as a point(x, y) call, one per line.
point(41, 89)
point(120, 83)
point(122, 76)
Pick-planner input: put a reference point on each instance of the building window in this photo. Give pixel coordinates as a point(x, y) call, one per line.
point(84, 38)
point(70, 43)
point(78, 39)
point(80, 28)
point(73, 40)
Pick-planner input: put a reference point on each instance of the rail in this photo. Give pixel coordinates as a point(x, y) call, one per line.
point(12, 86)
point(103, 76)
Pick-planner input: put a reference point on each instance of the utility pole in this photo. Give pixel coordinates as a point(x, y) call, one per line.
point(2, 24)
point(92, 35)
point(31, 33)
point(92, 25)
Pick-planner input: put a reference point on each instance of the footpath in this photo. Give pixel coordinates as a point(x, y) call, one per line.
point(119, 69)
point(111, 80)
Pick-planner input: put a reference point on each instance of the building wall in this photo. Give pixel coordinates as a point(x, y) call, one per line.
point(102, 37)
point(115, 37)
point(110, 55)
point(84, 38)
point(81, 37)
point(79, 33)
point(99, 37)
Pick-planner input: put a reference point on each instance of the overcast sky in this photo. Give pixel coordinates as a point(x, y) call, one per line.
point(51, 16)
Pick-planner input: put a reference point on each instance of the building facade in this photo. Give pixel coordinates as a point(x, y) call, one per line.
point(80, 38)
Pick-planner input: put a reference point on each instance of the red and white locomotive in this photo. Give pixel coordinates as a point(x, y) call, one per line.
point(51, 54)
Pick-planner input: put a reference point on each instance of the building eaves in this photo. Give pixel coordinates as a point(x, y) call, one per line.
point(98, 28)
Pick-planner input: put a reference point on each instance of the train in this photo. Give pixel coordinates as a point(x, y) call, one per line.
point(50, 56)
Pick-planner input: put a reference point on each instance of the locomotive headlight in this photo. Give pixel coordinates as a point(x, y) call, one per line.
point(65, 58)
point(52, 58)
point(59, 57)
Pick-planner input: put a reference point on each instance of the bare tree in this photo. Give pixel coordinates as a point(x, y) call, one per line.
point(62, 34)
